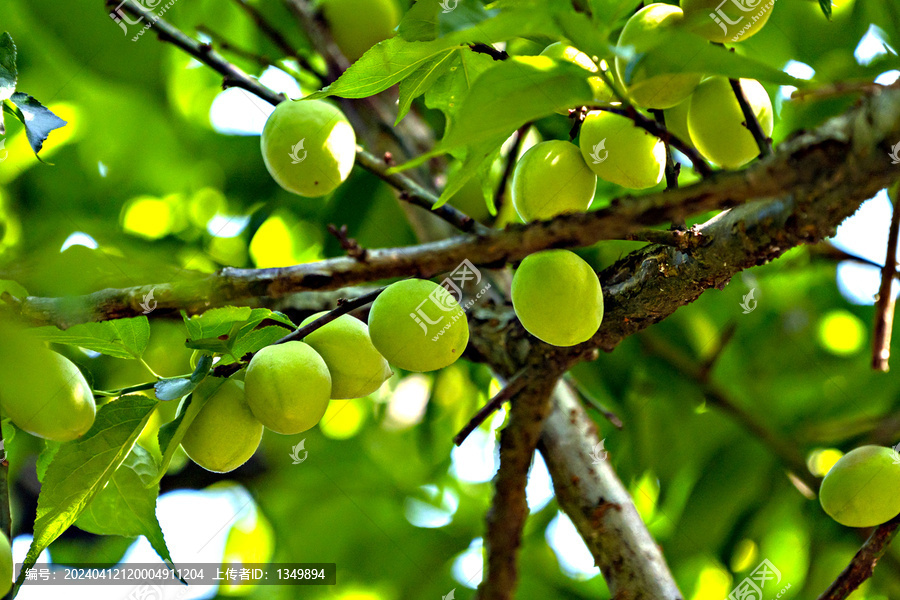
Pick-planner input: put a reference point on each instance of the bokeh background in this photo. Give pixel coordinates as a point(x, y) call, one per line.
point(158, 176)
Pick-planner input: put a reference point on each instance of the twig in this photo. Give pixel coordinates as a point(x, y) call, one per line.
point(750, 120)
point(414, 193)
point(350, 245)
point(837, 89)
point(227, 46)
point(509, 508)
point(490, 51)
point(831, 252)
point(884, 307)
point(592, 401)
point(342, 308)
point(654, 128)
point(683, 239)
point(276, 37)
point(672, 169)
point(790, 457)
point(513, 386)
point(5, 515)
point(707, 366)
point(509, 167)
point(863, 563)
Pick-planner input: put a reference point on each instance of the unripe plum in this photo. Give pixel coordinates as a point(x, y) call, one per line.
point(308, 146)
point(700, 14)
point(6, 565)
point(659, 90)
point(224, 434)
point(557, 297)
point(357, 25)
point(620, 152)
point(716, 122)
point(860, 490)
point(357, 368)
point(287, 387)
point(561, 51)
point(42, 392)
point(418, 325)
point(551, 179)
point(676, 121)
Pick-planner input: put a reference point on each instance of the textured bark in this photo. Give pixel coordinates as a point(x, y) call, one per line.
point(863, 564)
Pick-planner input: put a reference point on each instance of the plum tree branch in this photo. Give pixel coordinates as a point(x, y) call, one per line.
point(863, 563)
point(509, 508)
point(750, 120)
point(884, 306)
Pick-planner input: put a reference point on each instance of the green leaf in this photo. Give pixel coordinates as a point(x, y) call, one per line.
point(825, 5)
point(590, 38)
point(46, 457)
point(685, 52)
point(419, 82)
point(81, 468)
point(419, 24)
point(253, 341)
point(14, 288)
point(122, 338)
point(220, 330)
point(171, 434)
point(216, 322)
point(478, 159)
point(384, 65)
point(447, 93)
point(127, 505)
point(38, 120)
point(512, 93)
point(8, 73)
point(179, 387)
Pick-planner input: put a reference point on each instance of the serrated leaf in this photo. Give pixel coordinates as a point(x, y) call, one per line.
point(82, 467)
point(419, 82)
point(216, 322)
point(46, 457)
point(127, 505)
point(447, 93)
point(121, 338)
point(220, 330)
point(253, 341)
point(8, 73)
point(171, 434)
point(419, 24)
point(38, 120)
point(512, 93)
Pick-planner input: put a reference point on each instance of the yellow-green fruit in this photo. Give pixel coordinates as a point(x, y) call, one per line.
point(551, 179)
point(308, 146)
point(41, 391)
point(557, 297)
point(6, 565)
point(620, 152)
point(721, 22)
point(224, 434)
point(657, 90)
point(418, 325)
point(288, 387)
point(716, 121)
point(357, 25)
point(357, 368)
point(860, 490)
point(561, 51)
point(676, 121)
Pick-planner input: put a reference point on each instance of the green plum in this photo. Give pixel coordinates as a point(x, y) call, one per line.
point(733, 21)
point(224, 434)
point(860, 490)
point(620, 152)
point(308, 147)
point(42, 392)
point(656, 90)
point(418, 325)
point(557, 297)
point(716, 122)
point(288, 387)
point(676, 121)
point(551, 179)
point(6, 565)
point(561, 51)
point(357, 368)
point(357, 25)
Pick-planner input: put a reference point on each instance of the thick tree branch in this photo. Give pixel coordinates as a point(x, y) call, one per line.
point(509, 509)
point(600, 507)
point(884, 307)
point(820, 177)
point(863, 564)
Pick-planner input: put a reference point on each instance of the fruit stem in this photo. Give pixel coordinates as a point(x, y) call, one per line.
point(884, 306)
point(750, 120)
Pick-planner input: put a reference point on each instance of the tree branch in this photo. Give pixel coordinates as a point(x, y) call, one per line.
point(671, 168)
point(863, 563)
point(509, 509)
point(884, 307)
point(750, 120)
point(600, 507)
point(276, 37)
point(512, 387)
